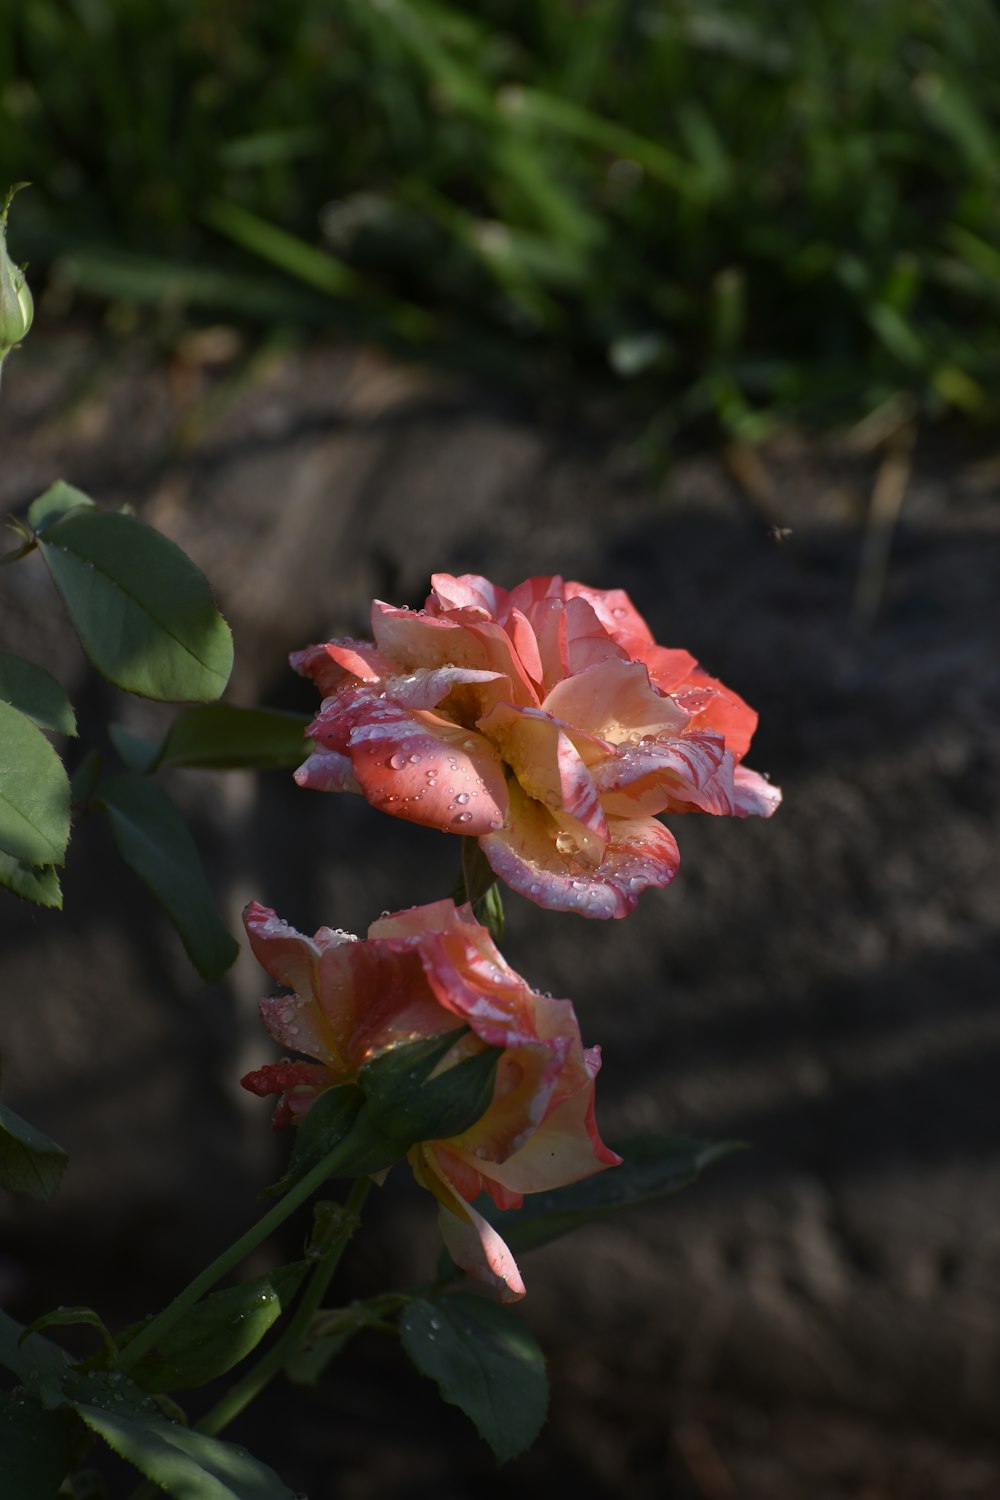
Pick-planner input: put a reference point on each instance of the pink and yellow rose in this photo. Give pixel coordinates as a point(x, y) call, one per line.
point(544, 721)
point(421, 973)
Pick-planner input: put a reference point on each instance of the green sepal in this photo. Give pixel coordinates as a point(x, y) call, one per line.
point(218, 1332)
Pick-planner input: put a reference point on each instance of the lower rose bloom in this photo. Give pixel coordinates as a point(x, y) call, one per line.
point(544, 721)
point(421, 973)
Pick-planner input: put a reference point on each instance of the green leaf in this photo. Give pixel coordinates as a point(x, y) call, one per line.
point(144, 613)
point(35, 1447)
point(484, 1361)
point(653, 1167)
point(58, 500)
point(154, 841)
point(83, 782)
point(227, 736)
point(186, 1464)
point(30, 1357)
point(34, 793)
point(139, 755)
point(36, 693)
point(218, 1332)
point(38, 883)
point(30, 1163)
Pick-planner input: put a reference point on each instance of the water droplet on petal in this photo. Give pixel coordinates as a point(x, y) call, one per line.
point(462, 798)
point(464, 818)
point(415, 760)
point(397, 761)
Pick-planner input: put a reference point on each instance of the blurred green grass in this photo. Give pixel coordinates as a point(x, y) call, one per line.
point(732, 209)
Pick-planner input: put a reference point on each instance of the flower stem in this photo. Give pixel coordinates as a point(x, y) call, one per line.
point(154, 1331)
point(244, 1391)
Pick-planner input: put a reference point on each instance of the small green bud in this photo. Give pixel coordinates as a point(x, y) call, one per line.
point(16, 306)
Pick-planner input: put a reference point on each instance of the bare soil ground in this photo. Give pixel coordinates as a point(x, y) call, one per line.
point(816, 1320)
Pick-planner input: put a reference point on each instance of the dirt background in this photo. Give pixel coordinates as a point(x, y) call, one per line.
point(818, 1318)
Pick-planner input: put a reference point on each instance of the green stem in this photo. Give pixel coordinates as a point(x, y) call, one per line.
point(245, 1390)
point(154, 1331)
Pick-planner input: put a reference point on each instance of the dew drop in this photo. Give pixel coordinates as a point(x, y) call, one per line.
point(415, 760)
point(565, 843)
point(534, 888)
point(464, 818)
point(462, 798)
point(618, 612)
point(397, 761)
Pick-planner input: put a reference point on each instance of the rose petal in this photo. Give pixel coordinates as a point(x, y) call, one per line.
point(679, 771)
point(428, 770)
point(287, 955)
point(640, 853)
point(298, 1083)
point(754, 794)
point(548, 766)
point(616, 701)
point(468, 591)
point(327, 771)
point(463, 639)
point(472, 1243)
point(714, 706)
point(334, 663)
point(617, 614)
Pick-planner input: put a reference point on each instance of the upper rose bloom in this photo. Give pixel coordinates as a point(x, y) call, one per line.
point(419, 974)
point(546, 722)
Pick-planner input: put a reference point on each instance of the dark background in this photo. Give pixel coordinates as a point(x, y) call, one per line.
point(707, 311)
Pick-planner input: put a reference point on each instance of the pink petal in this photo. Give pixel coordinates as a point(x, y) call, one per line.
point(428, 770)
point(526, 1078)
point(525, 642)
point(754, 794)
point(664, 773)
point(640, 853)
point(617, 614)
point(529, 592)
point(327, 771)
point(469, 591)
point(616, 701)
point(667, 668)
point(330, 665)
point(714, 706)
point(472, 1243)
point(417, 921)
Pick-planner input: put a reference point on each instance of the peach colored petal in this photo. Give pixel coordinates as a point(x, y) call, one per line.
point(525, 1081)
point(472, 1243)
point(288, 956)
point(547, 764)
point(462, 639)
point(616, 701)
point(640, 852)
point(427, 686)
point(426, 769)
point(565, 1148)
